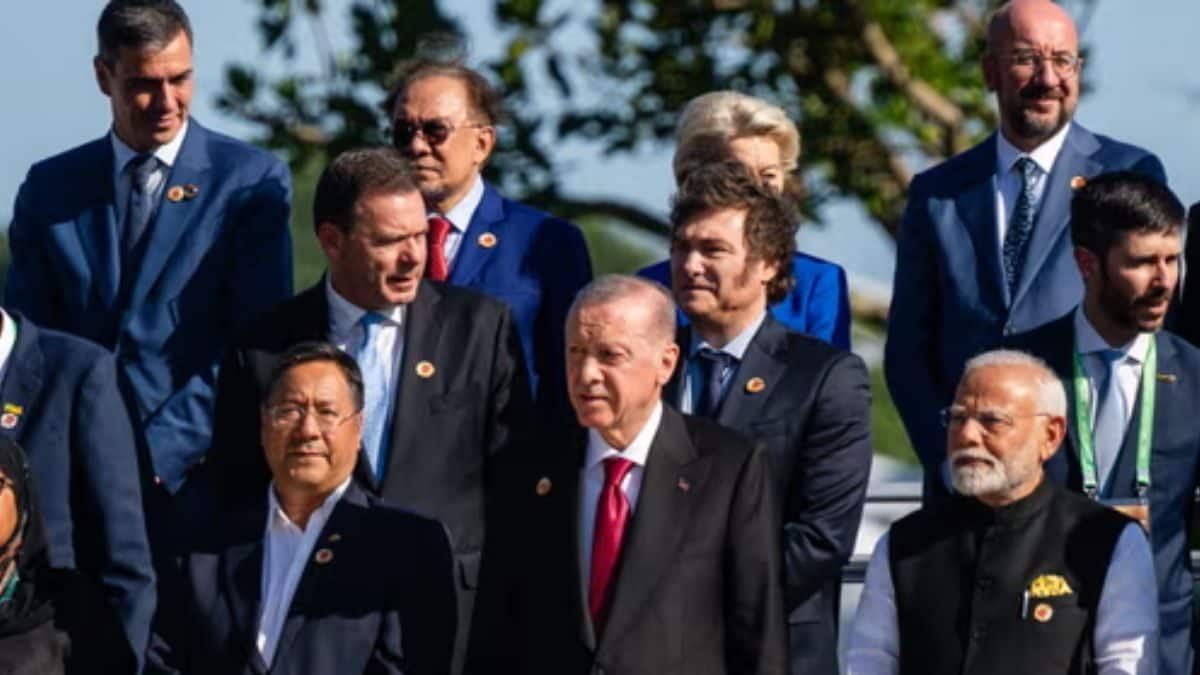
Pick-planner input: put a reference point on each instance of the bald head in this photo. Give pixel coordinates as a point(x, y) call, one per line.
point(1021, 17)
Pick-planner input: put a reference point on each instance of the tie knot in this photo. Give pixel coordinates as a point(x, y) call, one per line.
point(615, 469)
point(715, 357)
point(140, 168)
point(1111, 357)
point(439, 229)
point(1027, 167)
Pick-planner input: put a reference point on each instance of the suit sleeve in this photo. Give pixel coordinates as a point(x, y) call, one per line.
point(910, 358)
point(234, 465)
point(103, 444)
point(829, 301)
point(755, 628)
point(417, 636)
point(27, 287)
point(825, 501)
point(567, 269)
point(262, 266)
point(1152, 167)
point(511, 407)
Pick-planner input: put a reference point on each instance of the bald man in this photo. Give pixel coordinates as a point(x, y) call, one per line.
point(984, 250)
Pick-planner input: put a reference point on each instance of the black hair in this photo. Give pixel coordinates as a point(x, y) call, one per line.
point(312, 352)
point(139, 24)
point(1114, 204)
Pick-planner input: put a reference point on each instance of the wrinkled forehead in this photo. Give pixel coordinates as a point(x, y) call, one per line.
point(999, 388)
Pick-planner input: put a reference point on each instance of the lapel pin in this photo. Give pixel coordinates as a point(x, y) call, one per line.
point(683, 484)
point(425, 369)
point(1078, 182)
point(1169, 378)
point(323, 556)
point(543, 487)
point(13, 408)
point(1043, 612)
point(9, 420)
point(755, 385)
point(334, 537)
point(488, 240)
point(190, 191)
point(175, 193)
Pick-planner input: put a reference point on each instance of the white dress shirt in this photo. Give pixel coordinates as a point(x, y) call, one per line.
point(693, 381)
point(346, 333)
point(1125, 636)
point(1007, 179)
point(8, 340)
point(459, 216)
point(123, 154)
point(1129, 369)
point(592, 479)
point(286, 550)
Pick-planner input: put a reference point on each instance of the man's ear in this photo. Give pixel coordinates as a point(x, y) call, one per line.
point(1088, 263)
point(331, 239)
point(988, 65)
point(1055, 432)
point(103, 75)
point(485, 142)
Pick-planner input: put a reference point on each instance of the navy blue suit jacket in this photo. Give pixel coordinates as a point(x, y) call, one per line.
point(212, 263)
point(60, 396)
point(819, 304)
point(535, 263)
point(1173, 470)
point(382, 601)
point(949, 299)
point(813, 420)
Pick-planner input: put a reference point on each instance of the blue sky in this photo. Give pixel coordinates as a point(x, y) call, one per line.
point(1144, 69)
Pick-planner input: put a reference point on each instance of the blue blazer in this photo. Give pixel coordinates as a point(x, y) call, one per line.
point(381, 602)
point(819, 304)
point(535, 263)
point(1174, 460)
point(61, 405)
point(212, 264)
point(949, 299)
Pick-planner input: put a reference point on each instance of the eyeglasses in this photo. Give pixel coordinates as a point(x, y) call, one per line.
point(992, 421)
point(435, 131)
point(288, 415)
point(1064, 64)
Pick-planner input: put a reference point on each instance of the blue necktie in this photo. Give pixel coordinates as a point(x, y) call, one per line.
point(377, 403)
point(1108, 431)
point(1020, 227)
point(139, 209)
point(712, 365)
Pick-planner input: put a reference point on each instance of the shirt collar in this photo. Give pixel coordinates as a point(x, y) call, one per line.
point(277, 519)
point(1088, 340)
point(343, 314)
point(166, 154)
point(460, 214)
point(1043, 155)
point(736, 347)
point(638, 450)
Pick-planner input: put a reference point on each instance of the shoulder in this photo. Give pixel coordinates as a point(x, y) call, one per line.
point(63, 351)
point(659, 271)
point(1183, 350)
point(957, 172)
point(1046, 336)
point(712, 439)
point(1114, 152)
point(232, 153)
point(811, 265)
point(460, 300)
point(403, 531)
point(81, 161)
point(544, 224)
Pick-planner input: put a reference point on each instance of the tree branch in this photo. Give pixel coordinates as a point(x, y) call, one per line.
point(571, 208)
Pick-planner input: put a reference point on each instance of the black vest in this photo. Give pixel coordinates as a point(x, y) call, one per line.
point(960, 570)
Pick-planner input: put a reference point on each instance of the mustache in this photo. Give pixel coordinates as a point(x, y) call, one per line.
point(1035, 91)
point(972, 453)
point(1154, 297)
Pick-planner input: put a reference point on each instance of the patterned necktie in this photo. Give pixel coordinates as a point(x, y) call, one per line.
point(1108, 430)
point(612, 515)
point(140, 207)
point(377, 399)
point(712, 365)
point(437, 267)
point(1020, 226)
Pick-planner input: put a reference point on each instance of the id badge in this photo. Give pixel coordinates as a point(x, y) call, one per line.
point(1137, 508)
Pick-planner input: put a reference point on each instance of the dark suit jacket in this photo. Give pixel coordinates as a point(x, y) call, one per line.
point(383, 603)
point(1184, 320)
point(1173, 470)
point(813, 418)
point(698, 584)
point(536, 265)
point(949, 298)
point(61, 406)
point(818, 305)
point(212, 263)
point(448, 430)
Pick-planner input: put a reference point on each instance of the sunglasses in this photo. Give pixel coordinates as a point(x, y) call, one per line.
point(435, 132)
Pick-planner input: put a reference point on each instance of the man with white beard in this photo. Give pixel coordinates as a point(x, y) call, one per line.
point(1014, 574)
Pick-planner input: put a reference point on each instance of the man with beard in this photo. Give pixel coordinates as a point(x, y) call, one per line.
point(983, 250)
point(1132, 388)
point(1015, 574)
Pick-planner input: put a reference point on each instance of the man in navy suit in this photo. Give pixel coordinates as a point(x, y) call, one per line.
point(443, 120)
point(1133, 389)
point(60, 403)
point(983, 250)
point(316, 575)
point(159, 240)
point(807, 403)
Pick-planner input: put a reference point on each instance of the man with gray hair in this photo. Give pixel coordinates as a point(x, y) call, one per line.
point(647, 542)
point(1013, 574)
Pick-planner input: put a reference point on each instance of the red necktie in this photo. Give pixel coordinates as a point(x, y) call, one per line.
point(436, 267)
point(612, 514)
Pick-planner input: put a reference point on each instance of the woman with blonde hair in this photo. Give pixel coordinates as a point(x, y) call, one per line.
point(724, 125)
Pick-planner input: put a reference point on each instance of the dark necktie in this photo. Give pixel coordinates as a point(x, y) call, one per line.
point(140, 207)
point(1020, 226)
point(612, 515)
point(712, 365)
point(436, 267)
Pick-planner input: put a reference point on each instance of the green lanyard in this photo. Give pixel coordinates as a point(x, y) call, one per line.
point(1083, 424)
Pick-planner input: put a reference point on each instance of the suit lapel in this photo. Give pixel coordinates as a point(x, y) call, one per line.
point(1059, 340)
point(422, 333)
point(674, 387)
point(23, 381)
point(97, 227)
point(241, 578)
point(660, 522)
point(1075, 159)
point(760, 363)
point(571, 477)
point(488, 217)
point(976, 207)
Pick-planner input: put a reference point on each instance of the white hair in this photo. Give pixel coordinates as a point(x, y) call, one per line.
point(608, 288)
point(1052, 398)
point(726, 115)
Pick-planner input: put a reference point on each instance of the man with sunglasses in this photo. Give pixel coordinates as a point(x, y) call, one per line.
point(983, 250)
point(444, 119)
